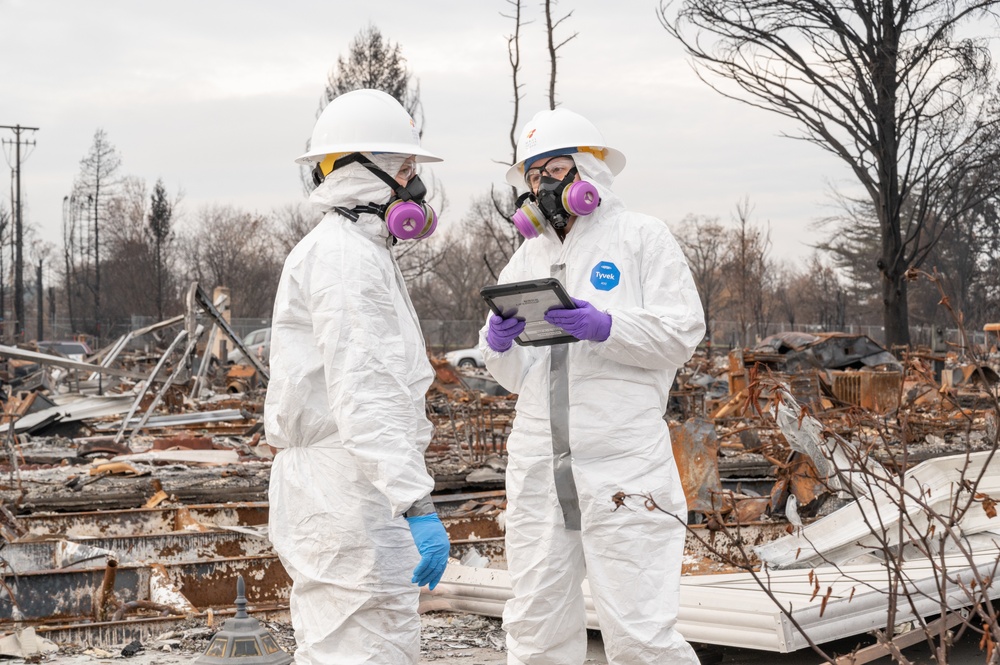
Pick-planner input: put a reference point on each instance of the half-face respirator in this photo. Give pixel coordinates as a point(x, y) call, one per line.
point(407, 215)
point(556, 201)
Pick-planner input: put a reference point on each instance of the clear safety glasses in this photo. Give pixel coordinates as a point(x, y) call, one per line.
point(557, 168)
point(407, 170)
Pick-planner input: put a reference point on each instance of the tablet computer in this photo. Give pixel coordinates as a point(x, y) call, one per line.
point(529, 301)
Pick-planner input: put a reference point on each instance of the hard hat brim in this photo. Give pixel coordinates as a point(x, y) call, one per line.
point(615, 160)
point(419, 153)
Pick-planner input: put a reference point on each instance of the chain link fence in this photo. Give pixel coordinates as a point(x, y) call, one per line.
point(730, 334)
point(442, 336)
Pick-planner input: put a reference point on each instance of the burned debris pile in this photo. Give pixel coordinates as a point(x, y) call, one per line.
point(134, 482)
point(765, 437)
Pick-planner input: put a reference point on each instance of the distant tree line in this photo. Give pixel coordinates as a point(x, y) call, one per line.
point(740, 279)
point(131, 248)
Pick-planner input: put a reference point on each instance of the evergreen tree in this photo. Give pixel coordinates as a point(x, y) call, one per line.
point(376, 63)
point(160, 215)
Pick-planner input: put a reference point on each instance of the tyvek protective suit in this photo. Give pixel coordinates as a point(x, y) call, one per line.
point(605, 402)
point(346, 403)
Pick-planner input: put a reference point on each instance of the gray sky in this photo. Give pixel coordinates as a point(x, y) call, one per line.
point(218, 97)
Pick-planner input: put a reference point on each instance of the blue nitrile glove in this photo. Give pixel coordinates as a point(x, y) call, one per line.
point(432, 543)
point(585, 322)
point(503, 331)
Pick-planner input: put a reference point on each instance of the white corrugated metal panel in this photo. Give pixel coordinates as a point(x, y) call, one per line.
point(82, 409)
point(733, 610)
point(845, 617)
point(848, 532)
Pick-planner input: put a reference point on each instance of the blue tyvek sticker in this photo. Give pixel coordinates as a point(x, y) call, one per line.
point(605, 276)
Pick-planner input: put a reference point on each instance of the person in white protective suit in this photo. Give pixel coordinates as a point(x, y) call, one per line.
point(590, 413)
point(350, 512)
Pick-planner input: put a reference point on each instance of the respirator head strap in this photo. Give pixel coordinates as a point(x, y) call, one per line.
point(358, 158)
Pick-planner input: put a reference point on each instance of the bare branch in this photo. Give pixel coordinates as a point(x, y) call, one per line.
point(550, 27)
point(886, 87)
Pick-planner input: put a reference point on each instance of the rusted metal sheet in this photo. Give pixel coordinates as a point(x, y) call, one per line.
point(804, 481)
point(146, 521)
point(210, 583)
point(106, 633)
point(749, 509)
point(70, 595)
point(65, 595)
point(696, 450)
point(877, 391)
point(472, 527)
point(737, 371)
point(164, 548)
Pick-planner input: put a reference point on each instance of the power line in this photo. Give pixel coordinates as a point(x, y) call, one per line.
point(18, 228)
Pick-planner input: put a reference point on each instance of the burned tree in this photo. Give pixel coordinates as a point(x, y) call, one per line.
point(748, 274)
point(227, 246)
point(550, 29)
point(886, 87)
point(94, 187)
point(493, 216)
point(703, 241)
point(514, 58)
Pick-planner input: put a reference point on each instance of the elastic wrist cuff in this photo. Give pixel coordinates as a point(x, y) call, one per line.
point(420, 507)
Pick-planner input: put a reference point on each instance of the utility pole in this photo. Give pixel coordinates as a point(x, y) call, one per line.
point(18, 229)
point(52, 313)
point(97, 265)
point(39, 302)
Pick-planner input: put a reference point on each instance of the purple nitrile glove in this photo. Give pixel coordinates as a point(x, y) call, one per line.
point(503, 331)
point(585, 322)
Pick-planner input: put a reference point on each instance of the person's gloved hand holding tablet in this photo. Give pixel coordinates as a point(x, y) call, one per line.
point(502, 332)
point(585, 322)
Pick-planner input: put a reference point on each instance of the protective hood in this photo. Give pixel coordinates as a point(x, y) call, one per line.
point(352, 185)
point(593, 170)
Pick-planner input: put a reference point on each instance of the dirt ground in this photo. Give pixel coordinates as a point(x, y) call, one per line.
point(462, 639)
point(445, 638)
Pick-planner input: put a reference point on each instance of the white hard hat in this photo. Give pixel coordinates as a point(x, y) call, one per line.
point(561, 130)
point(365, 121)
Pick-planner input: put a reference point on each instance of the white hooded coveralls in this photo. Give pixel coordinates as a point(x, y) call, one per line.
point(346, 404)
point(630, 266)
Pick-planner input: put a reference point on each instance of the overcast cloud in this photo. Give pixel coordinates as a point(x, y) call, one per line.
point(217, 99)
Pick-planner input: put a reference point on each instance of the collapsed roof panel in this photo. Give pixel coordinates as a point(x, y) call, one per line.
point(802, 352)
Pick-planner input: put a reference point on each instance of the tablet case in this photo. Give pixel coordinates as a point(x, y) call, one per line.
point(530, 300)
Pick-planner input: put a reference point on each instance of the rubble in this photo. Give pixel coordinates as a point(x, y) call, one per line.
point(134, 485)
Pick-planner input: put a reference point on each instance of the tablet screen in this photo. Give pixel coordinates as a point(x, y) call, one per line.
point(529, 301)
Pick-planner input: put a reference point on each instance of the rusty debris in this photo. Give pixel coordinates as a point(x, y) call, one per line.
point(133, 484)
